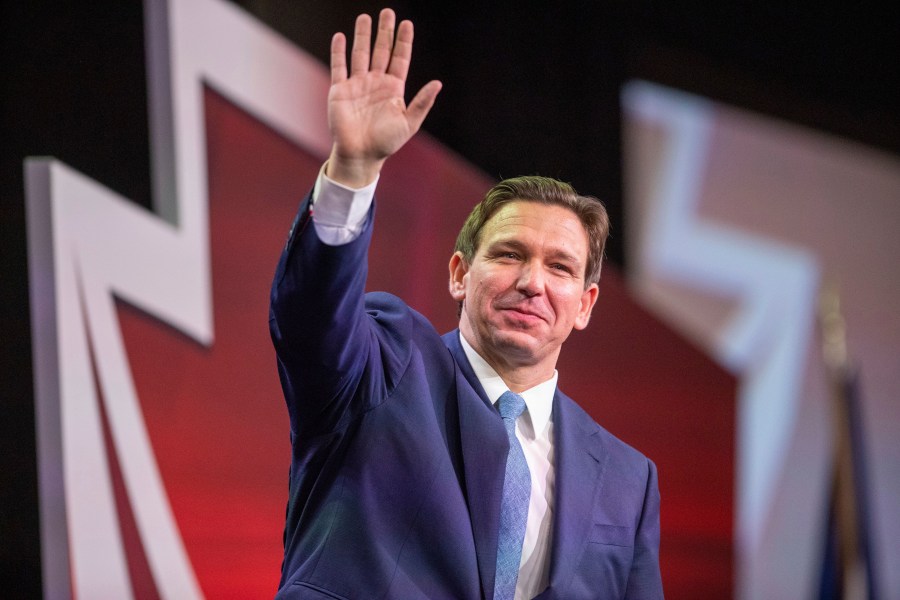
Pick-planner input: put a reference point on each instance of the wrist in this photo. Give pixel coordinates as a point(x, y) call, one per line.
point(353, 173)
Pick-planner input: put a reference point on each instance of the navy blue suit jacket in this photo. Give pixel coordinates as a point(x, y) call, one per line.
point(398, 456)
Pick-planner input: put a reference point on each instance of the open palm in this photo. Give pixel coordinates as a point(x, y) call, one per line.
point(367, 115)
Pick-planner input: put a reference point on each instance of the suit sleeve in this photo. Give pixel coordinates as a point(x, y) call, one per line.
point(335, 358)
point(644, 581)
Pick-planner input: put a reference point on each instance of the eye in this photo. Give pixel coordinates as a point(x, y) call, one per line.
point(560, 267)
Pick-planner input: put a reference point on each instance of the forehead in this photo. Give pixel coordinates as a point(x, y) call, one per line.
point(549, 223)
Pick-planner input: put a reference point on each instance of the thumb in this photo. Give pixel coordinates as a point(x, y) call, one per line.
point(421, 104)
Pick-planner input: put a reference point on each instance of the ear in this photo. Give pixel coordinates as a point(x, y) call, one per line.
point(458, 271)
point(588, 299)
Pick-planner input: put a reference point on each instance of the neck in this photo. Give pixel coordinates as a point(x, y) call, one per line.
point(518, 380)
point(517, 375)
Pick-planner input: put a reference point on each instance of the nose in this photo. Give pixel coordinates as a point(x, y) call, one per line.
point(531, 279)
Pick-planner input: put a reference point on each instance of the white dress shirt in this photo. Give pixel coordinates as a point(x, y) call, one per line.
point(339, 214)
point(534, 430)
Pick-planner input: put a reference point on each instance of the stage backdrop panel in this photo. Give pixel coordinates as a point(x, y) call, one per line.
point(737, 224)
point(163, 438)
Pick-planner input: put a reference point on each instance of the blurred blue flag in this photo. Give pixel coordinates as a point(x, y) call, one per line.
point(847, 567)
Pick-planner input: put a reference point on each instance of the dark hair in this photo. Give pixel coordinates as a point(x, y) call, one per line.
point(543, 190)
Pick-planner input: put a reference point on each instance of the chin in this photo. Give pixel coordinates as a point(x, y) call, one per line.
point(517, 343)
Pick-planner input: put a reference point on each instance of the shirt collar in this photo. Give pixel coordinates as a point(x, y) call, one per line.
point(538, 399)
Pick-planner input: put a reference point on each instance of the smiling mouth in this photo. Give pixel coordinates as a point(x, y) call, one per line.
point(522, 314)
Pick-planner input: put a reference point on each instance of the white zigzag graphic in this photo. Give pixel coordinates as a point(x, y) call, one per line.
point(87, 245)
point(768, 336)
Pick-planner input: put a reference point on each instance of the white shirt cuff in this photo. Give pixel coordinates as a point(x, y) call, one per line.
point(340, 212)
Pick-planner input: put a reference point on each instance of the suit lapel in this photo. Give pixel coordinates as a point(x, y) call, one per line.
point(580, 466)
point(484, 450)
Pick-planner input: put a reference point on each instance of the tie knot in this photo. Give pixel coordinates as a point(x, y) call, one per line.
point(511, 405)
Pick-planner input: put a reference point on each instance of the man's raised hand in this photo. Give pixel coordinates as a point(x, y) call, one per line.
point(367, 115)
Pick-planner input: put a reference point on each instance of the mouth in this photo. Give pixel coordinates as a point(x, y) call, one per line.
point(522, 314)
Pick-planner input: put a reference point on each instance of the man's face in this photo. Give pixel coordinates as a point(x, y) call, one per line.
point(524, 291)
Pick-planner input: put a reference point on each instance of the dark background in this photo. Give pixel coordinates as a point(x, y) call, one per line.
point(528, 88)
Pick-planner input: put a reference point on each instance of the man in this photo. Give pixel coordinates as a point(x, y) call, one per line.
point(406, 481)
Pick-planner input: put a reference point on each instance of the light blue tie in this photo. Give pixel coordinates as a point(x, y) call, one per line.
point(514, 504)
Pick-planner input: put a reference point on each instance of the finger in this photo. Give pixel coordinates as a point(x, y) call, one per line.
point(402, 51)
point(338, 58)
point(418, 109)
point(381, 54)
point(362, 36)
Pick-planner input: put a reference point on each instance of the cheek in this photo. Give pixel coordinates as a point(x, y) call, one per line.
point(481, 294)
point(480, 285)
point(569, 302)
